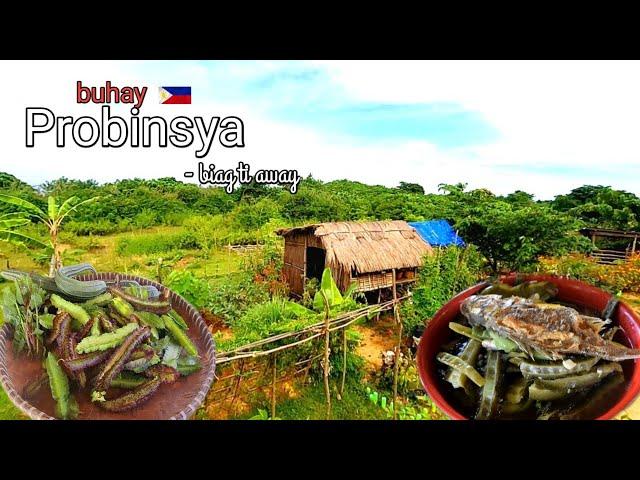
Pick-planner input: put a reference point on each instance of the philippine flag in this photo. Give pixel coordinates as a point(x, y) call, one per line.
point(175, 95)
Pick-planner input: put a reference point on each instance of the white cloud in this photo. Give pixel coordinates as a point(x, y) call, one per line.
point(579, 115)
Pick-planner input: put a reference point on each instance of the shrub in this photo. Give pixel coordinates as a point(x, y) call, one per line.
point(94, 227)
point(443, 274)
point(196, 291)
point(270, 318)
point(617, 277)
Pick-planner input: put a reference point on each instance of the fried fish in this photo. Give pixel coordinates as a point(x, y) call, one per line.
point(548, 328)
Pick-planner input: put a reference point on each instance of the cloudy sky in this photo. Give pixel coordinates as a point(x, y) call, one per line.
point(543, 127)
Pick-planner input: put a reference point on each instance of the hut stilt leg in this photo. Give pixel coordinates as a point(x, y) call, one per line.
point(396, 363)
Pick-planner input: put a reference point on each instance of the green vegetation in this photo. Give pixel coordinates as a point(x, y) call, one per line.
point(511, 231)
point(445, 273)
point(311, 405)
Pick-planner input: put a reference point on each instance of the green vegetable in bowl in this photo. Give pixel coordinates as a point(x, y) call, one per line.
point(66, 406)
point(179, 335)
point(125, 338)
point(76, 311)
point(106, 340)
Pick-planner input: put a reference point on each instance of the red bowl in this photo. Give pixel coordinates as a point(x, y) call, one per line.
point(572, 291)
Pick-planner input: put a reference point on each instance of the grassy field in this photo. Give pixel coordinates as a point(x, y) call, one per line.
point(131, 252)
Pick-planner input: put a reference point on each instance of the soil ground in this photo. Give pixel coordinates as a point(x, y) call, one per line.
point(376, 338)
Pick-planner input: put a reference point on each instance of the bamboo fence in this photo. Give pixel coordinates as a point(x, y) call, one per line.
point(254, 366)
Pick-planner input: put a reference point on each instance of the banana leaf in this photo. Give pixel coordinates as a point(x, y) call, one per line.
point(23, 204)
point(21, 239)
point(329, 290)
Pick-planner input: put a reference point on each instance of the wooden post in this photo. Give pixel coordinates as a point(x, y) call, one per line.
point(396, 364)
point(273, 386)
point(344, 360)
point(304, 266)
point(633, 246)
point(237, 385)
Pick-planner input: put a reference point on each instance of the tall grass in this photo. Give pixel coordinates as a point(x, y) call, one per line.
point(150, 244)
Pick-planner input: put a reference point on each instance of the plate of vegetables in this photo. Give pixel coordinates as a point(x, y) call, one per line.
point(532, 347)
point(89, 345)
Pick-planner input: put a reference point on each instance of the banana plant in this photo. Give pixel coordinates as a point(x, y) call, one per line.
point(52, 219)
point(328, 294)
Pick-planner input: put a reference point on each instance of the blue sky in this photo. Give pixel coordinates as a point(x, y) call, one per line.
point(303, 94)
point(543, 127)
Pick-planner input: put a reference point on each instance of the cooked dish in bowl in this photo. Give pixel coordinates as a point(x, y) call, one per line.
point(529, 351)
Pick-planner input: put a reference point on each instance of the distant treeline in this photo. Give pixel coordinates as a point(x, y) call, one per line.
point(510, 230)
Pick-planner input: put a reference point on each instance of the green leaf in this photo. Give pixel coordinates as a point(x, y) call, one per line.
point(67, 207)
point(13, 215)
point(329, 290)
point(13, 222)
point(171, 355)
point(296, 309)
point(52, 207)
point(67, 204)
point(23, 204)
point(21, 239)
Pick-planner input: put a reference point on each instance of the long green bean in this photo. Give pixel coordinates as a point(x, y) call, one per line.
point(465, 331)
point(469, 354)
point(493, 377)
point(578, 382)
point(557, 369)
point(458, 364)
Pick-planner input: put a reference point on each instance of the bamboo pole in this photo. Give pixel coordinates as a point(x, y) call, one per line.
point(326, 365)
point(344, 361)
point(273, 387)
point(237, 385)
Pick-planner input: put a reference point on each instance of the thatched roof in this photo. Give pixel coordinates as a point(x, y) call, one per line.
point(367, 247)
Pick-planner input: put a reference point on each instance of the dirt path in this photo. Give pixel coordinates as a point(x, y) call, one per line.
point(377, 337)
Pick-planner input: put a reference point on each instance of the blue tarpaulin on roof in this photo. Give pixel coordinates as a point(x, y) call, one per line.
point(438, 233)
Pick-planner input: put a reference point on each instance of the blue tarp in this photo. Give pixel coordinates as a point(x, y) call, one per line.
point(438, 233)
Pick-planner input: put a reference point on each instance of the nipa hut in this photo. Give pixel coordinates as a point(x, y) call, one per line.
point(374, 255)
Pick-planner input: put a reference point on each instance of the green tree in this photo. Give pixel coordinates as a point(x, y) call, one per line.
point(408, 187)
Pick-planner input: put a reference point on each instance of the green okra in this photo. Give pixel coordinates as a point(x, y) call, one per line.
point(178, 319)
point(458, 363)
point(99, 301)
point(123, 307)
point(95, 328)
point(78, 313)
point(490, 391)
point(106, 340)
point(151, 319)
point(59, 384)
point(179, 335)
